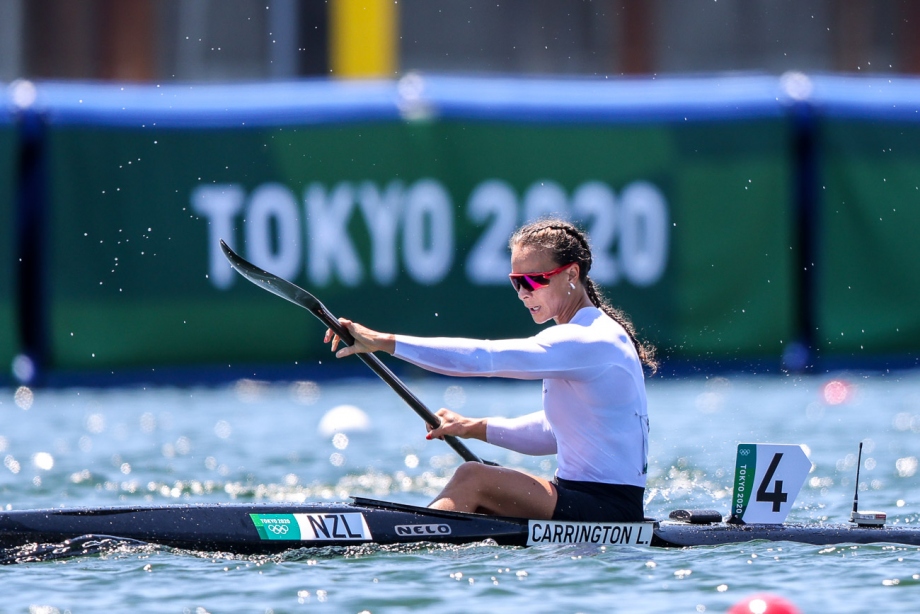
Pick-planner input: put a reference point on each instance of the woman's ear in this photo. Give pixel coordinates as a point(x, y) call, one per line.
point(573, 273)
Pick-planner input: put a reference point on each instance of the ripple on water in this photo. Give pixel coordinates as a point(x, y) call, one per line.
point(262, 442)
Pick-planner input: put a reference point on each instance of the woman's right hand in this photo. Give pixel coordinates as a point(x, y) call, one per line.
point(366, 340)
point(454, 424)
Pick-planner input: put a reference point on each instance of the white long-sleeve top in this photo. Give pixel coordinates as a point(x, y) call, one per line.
point(594, 406)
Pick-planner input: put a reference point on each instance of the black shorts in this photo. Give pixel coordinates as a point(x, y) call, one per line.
point(598, 502)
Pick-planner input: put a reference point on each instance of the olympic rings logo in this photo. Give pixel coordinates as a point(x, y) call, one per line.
point(278, 529)
point(744, 451)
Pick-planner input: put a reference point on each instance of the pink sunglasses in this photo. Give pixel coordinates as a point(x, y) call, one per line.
point(534, 281)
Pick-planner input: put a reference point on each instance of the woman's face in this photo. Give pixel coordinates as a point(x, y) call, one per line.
point(547, 302)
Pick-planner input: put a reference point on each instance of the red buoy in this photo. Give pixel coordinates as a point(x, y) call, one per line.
point(764, 604)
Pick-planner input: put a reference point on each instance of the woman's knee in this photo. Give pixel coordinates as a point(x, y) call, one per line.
point(469, 471)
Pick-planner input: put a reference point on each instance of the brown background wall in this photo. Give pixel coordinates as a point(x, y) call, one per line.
point(154, 40)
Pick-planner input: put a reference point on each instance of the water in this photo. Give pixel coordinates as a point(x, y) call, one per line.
point(260, 442)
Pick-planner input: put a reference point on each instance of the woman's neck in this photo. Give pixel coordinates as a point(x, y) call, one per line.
point(570, 309)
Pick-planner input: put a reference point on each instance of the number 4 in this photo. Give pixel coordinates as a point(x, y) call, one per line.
point(777, 496)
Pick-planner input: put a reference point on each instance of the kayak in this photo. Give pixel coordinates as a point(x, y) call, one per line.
point(264, 529)
point(273, 528)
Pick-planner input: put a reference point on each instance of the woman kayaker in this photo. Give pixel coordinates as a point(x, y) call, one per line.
point(594, 414)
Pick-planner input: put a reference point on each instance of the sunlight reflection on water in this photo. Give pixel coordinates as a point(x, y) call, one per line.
point(256, 441)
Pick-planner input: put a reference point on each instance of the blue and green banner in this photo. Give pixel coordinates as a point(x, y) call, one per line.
point(395, 209)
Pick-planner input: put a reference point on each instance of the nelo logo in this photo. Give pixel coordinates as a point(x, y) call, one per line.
point(422, 529)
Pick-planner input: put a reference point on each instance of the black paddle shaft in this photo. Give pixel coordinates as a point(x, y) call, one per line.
point(300, 297)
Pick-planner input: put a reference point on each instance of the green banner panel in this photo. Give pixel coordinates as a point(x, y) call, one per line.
point(9, 337)
point(403, 225)
point(869, 283)
point(735, 294)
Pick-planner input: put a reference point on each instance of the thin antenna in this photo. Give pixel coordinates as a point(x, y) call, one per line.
point(856, 494)
point(864, 519)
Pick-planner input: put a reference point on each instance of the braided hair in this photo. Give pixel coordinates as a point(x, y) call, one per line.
point(568, 244)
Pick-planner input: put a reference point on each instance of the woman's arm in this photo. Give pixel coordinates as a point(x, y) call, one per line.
point(526, 358)
point(548, 355)
point(565, 351)
point(530, 434)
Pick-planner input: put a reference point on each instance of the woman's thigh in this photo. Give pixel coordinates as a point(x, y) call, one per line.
point(505, 492)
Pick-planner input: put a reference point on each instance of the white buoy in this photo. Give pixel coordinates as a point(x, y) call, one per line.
point(343, 419)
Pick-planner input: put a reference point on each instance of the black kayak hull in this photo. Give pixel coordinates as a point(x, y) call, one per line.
point(268, 528)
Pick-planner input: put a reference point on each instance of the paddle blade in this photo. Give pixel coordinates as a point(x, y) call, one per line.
point(268, 281)
point(285, 289)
